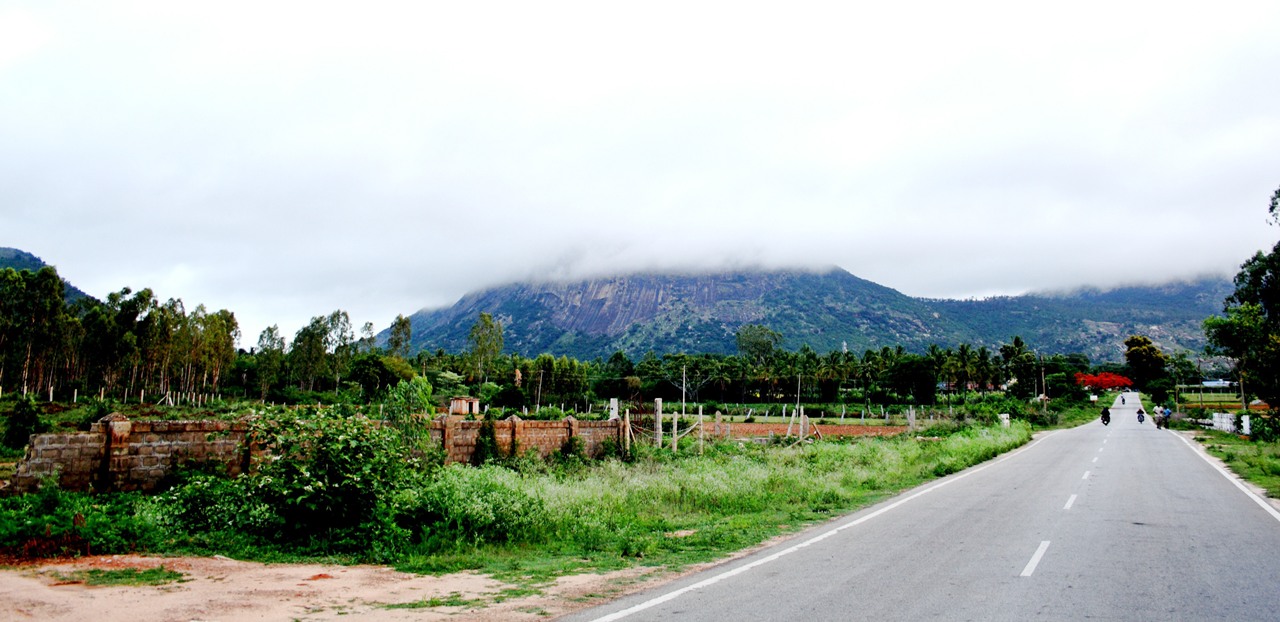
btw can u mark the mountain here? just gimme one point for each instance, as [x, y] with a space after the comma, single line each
[22, 260]
[826, 310]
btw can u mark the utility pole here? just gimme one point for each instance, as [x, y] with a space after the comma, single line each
[1044, 402]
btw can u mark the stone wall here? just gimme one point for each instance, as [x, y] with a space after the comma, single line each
[120, 455]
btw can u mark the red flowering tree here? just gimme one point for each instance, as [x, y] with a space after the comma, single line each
[1103, 381]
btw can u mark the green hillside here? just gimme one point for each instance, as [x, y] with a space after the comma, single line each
[22, 260]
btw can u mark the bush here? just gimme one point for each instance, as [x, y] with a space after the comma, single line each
[1264, 428]
[328, 471]
[53, 522]
[466, 506]
[24, 421]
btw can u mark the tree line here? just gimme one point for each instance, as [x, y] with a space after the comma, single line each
[131, 344]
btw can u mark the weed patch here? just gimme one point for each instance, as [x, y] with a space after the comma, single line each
[123, 576]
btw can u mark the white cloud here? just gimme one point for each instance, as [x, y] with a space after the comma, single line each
[295, 158]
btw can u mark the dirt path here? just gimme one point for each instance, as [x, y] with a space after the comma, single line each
[224, 590]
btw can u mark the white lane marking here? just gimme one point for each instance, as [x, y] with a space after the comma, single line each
[618, 615]
[1095, 459]
[1071, 501]
[1263, 503]
[1035, 559]
[1086, 475]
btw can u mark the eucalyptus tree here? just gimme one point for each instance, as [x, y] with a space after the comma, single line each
[221, 333]
[486, 342]
[401, 337]
[269, 359]
[341, 345]
[307, 355]
[34, 320]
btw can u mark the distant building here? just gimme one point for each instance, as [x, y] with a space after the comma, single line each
[464, 405]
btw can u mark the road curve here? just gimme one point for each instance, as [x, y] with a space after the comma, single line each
[1097, 522]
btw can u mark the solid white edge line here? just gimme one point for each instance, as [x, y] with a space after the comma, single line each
[658, 600]
[1035, 559]
[1070, 502]
[1230, 476]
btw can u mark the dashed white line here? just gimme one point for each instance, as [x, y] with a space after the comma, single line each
[1095, 459]
[1086, 475]
[1071, 501]
[618, 615]
[1035, 559]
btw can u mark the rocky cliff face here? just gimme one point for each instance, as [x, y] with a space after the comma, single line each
[826, 310]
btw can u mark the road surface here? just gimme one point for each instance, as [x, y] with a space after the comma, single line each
[1119, 522]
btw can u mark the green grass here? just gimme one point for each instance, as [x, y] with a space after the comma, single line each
[532, 521]
[672, 511]
[1257, 462]
[125, 576]
[452, 600]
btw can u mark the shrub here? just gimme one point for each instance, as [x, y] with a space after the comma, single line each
[466, 506]
[53, 522]
[1264, 428]
[24, 421]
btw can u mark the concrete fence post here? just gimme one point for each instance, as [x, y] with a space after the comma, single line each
[657, 422]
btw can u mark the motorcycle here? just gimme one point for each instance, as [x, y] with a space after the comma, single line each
[1140, 418]
[1106, 418]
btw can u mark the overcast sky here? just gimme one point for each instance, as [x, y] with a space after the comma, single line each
[286, 159]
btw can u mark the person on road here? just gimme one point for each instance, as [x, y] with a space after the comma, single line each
[1106, 415]
[1140, 414]
[1122, 400]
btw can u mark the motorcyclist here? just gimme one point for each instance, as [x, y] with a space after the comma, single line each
[1140, 414]
[1106, 415]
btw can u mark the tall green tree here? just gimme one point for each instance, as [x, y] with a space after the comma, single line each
[486, 344]
[308, 354]
[270, 359]
[398, 342]
[757, 343]
[1250, 331]
[1145, 359]
[341, 342]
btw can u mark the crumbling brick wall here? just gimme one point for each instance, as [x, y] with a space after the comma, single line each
[117, 454]
[120, 455]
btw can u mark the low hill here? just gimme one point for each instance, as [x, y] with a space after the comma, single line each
[826, 310]
[22, 260]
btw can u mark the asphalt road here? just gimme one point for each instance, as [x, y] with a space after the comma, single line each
[1119, 522]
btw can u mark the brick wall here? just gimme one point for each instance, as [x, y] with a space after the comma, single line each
[117, 454]
[458, 437]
